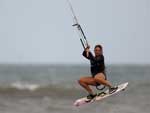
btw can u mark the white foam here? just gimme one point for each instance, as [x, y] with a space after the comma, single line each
[25, 86]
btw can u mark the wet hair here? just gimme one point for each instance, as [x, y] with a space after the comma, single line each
[99, 46]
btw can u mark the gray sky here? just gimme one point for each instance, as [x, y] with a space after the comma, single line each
[40, 31]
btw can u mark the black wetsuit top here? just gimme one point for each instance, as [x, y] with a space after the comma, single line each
[97, 63]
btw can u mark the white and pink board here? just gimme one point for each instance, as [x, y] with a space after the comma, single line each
[84, 100]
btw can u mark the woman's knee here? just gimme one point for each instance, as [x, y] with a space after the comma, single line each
[100, 76]
[81, 81]
[98, 79]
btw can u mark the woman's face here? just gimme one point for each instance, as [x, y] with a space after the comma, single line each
[97, 51]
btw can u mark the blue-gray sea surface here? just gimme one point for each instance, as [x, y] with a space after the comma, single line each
[54, 88]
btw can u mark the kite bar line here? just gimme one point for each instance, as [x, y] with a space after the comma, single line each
[76, 24]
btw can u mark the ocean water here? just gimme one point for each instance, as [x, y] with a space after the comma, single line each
[54, 88]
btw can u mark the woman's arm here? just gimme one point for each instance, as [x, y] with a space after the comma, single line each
[87, 54]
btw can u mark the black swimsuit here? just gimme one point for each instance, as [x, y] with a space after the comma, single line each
[97, 63]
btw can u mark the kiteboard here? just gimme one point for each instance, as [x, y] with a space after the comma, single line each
[100, 96]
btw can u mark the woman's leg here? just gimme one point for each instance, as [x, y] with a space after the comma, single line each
[85, 82]
[100, 78]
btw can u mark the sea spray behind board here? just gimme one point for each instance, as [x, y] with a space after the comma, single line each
[54, 88]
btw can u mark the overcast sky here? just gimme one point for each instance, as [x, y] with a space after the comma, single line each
[40, 31]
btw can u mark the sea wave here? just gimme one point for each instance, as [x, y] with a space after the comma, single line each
[34, 90]
[25, 86]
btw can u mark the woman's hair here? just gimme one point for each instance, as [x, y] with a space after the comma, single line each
[99, 46]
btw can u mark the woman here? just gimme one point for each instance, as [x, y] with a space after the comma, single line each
[97, 71]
